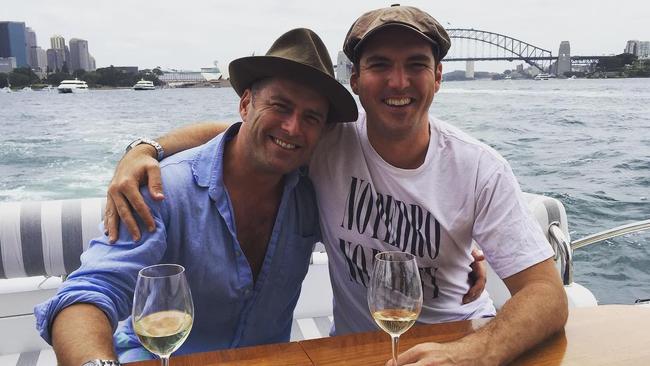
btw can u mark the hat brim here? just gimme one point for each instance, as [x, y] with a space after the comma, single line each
[246, 70]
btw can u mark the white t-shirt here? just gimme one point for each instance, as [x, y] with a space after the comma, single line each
[463, 191]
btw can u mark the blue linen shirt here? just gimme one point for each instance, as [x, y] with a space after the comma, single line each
[195, 227]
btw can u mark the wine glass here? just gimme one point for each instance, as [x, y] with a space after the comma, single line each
[163, 310]
[395, 294]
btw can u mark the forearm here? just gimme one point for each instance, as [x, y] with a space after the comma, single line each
[190, 136]
[534, 313]
[80, 333]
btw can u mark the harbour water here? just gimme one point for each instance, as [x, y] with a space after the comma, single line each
[585, 142]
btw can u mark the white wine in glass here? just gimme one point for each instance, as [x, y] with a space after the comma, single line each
[395, 294]
[163, 310]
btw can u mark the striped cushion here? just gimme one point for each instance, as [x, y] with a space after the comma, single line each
[46, 238]
[43, 357]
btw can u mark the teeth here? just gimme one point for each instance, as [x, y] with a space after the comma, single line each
[283, 144]
[398, 101]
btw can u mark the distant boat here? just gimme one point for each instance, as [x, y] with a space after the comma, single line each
[543, 76]
[26, 89]
[6, 89]
[144, 85]
[72, 86]
[212, 74]
[507, 77]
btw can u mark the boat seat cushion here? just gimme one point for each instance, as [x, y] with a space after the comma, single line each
[46, 238]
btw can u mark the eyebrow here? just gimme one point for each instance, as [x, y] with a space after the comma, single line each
[309, 111]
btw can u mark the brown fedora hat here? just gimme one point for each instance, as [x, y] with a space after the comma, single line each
[299, 55]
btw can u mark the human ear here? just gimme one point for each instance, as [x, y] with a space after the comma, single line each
[245, 104]
[354, 80]
[438, 76]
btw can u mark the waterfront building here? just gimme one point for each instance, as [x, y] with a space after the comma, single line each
[93, 65]
[343, 68]
[79, 56]
[564, 59]
[55, 59]
[41, 58]
[30, 45]
[644, 49]
[12, 42]
[632, 47]
[640, 49]
[7, 64]
[57, 42]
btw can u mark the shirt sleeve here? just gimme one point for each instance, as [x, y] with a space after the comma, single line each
[107, 275]
[504, 228]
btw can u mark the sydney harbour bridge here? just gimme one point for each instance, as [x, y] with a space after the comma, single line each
[477, 45]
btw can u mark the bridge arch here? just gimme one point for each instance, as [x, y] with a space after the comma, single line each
[520, 50]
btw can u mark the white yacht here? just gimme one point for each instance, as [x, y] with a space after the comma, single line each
[144, 85]
[72, 86]
[212, 74]
[543, 76]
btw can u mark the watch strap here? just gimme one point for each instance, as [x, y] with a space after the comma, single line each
[160, 153]
[98, 362]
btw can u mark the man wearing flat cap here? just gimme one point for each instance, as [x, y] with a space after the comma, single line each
[239, 215]
[399, 179]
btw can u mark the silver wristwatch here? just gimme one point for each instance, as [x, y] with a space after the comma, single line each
[143, 140]
[99, 362]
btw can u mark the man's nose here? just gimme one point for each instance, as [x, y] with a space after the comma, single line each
[398, 78]
[291, 125]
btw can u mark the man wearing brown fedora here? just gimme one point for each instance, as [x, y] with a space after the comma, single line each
[239, 215]
[399, 179]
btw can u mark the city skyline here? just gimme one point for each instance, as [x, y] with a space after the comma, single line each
[191, 37]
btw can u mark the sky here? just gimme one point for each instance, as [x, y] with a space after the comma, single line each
[191, 34]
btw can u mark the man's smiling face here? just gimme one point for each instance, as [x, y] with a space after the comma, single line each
[284, 120]
[396, 80]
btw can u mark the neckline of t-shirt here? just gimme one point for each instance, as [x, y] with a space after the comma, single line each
[362, 130]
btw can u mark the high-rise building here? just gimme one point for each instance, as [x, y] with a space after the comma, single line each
[564, 58]
[57, 42]
[93, 65]
[644, 49]
[632, 47]
[12, 42]
[41, 58]
[30, 43]
[55, 59]
[79, 56]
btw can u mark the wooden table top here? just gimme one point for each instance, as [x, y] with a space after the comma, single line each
[602, 335]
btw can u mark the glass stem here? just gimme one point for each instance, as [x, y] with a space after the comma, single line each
[395, 343]
[165, 360]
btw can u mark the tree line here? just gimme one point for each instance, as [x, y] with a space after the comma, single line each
[103, 77]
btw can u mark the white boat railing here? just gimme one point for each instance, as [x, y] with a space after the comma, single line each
[564, 249]
[611, 233]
